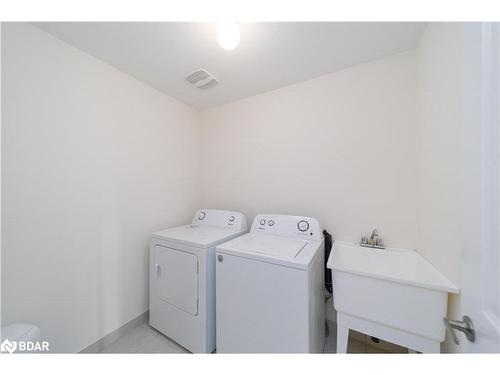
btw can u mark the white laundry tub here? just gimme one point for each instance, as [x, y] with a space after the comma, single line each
[392, 294]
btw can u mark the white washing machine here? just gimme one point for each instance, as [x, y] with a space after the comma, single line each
[270, 288]
[182, 277]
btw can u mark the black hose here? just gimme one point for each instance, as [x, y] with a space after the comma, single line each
[328, 249]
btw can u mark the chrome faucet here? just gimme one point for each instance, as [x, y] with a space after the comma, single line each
[374, 241]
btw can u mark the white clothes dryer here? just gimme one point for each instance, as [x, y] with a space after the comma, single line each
[182, 277]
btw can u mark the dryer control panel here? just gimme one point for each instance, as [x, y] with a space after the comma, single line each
[287, 226]
[220, 218]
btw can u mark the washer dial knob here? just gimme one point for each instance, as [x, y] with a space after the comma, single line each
[302, 225]
[201, 216]
[270, 223]
[231, 218]
[262, 222]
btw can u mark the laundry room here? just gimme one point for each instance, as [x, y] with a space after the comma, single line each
[250, 187]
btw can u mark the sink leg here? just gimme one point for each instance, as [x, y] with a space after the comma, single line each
[342, 337]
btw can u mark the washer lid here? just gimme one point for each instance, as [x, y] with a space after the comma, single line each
[203, 237]
[292, 252]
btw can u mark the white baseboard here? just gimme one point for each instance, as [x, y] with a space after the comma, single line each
[97, 346]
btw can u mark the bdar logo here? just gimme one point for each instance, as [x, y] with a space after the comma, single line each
[8, 346]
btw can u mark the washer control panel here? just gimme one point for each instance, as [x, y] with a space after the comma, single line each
[220, 218]
[287, 225]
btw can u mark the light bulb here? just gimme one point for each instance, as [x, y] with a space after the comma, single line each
[228, 35]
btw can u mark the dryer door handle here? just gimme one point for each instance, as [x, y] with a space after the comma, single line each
[158, 270]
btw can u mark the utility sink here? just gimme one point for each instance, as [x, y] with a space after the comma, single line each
[392, 294]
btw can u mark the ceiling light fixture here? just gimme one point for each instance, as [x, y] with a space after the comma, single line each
[228, 35]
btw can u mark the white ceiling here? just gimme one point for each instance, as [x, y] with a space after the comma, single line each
[270, 55]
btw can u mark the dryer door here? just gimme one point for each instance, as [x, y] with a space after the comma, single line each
[175, 278]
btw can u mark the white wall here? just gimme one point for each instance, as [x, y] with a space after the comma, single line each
[341, 148]
[0, 180]
[93, 161]
[441, 150]
[440, 62]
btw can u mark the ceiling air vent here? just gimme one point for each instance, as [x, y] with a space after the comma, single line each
[202, 79]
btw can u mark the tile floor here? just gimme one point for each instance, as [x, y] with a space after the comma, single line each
[144, 339]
